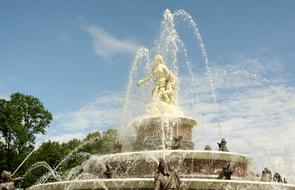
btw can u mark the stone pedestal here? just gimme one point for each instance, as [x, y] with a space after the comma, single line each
[155, 132]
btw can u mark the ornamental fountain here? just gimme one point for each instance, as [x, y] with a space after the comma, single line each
[156, 133]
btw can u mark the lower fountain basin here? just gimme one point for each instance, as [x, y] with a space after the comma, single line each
[148, 184]
[189, 163]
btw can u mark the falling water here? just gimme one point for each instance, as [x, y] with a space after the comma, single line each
[45, 177]
[170, 46]
[142, 55]
[72, 153]
[24, 161]
[184, 15]
[44, 165]
[194, 79]
[83, 154]
[166, 45]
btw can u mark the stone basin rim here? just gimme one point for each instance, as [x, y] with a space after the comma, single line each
[159, 117]
[148, 183]
[205, 154]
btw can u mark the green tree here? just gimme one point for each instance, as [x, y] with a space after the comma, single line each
[71, 145]
[22, 117]
[100, 143]
[108, 142]
[53, 152]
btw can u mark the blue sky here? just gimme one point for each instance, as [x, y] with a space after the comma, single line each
[76, 55]
[44, 50]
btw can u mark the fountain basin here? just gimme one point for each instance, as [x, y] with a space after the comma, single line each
[155, 132]
[143, 164]
[148, 184]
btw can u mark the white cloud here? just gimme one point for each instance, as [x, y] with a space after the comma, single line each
[107, 45]
[100, 114]
[256, 115]
[66, 137]
[4, 97]
[103, 112]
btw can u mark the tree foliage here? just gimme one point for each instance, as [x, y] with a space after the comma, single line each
[53, 153]
[22, 117]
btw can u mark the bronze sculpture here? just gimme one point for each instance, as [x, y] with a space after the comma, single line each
[207, 147]
[277, 177]
[166, 178]
[108, 173]
[222, 145]
[7, 182]
[176, 143]
[225, 173]
[266, 175]
[117, 148]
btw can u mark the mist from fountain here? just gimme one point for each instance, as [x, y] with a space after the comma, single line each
[170, 46]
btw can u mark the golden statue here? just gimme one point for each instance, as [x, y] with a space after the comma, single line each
[165, 81]
[164, 88]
